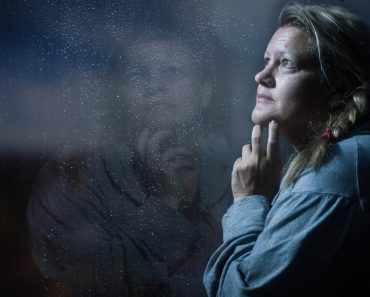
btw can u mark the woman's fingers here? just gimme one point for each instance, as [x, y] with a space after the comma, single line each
[257, 140]
[256, 146]
[246, 150]
[257, 171]
[272, 152]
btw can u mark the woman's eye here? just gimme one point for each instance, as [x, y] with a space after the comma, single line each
[267, 61]
[287, 63]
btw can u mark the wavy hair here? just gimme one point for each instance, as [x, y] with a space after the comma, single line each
[342, 44]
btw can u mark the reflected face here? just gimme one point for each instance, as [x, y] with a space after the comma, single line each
[290, 87]
[162, 84]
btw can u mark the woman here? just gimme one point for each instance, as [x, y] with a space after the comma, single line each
[310, 238]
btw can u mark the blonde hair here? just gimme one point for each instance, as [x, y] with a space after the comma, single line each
[343, 50]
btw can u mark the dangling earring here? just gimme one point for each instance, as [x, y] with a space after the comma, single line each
[327, 134]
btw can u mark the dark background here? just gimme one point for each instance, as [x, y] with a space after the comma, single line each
[52, 57]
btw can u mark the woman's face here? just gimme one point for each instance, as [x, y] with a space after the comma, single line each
[291, 89]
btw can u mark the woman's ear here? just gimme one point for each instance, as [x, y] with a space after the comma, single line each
[206, 94]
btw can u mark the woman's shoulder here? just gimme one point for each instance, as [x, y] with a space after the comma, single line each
[344, 171]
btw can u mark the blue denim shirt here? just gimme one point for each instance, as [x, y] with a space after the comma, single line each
[313, 240]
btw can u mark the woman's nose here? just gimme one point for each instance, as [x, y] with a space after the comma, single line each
[265, 77]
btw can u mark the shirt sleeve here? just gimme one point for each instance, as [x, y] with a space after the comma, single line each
[282, 251]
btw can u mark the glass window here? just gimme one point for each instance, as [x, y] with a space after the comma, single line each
[120, 122]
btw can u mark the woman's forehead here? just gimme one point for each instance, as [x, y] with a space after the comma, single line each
[292, 40]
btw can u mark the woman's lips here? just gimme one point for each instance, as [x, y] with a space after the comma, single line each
[264, 98]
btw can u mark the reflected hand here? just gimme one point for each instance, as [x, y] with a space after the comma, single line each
[257, 172]
[171, 166]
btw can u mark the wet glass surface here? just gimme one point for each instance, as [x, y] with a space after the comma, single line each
[120, 122]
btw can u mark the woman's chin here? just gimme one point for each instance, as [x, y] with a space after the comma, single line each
[260, 119]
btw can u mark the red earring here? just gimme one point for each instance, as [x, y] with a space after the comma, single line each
[327, 134]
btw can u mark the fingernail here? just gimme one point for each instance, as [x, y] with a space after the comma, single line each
[274, 122]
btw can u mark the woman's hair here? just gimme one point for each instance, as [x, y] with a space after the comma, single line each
[343, 50]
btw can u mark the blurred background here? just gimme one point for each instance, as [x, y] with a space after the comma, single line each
[55, 95]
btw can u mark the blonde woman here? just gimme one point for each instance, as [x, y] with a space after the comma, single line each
[310, 236]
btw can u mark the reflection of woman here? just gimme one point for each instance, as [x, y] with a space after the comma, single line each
[138, 217]
[312, 237]
[164, 91]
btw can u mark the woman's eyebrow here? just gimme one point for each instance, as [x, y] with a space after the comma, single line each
[277, 53]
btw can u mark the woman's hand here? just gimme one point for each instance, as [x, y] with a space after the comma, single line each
[258, 172]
